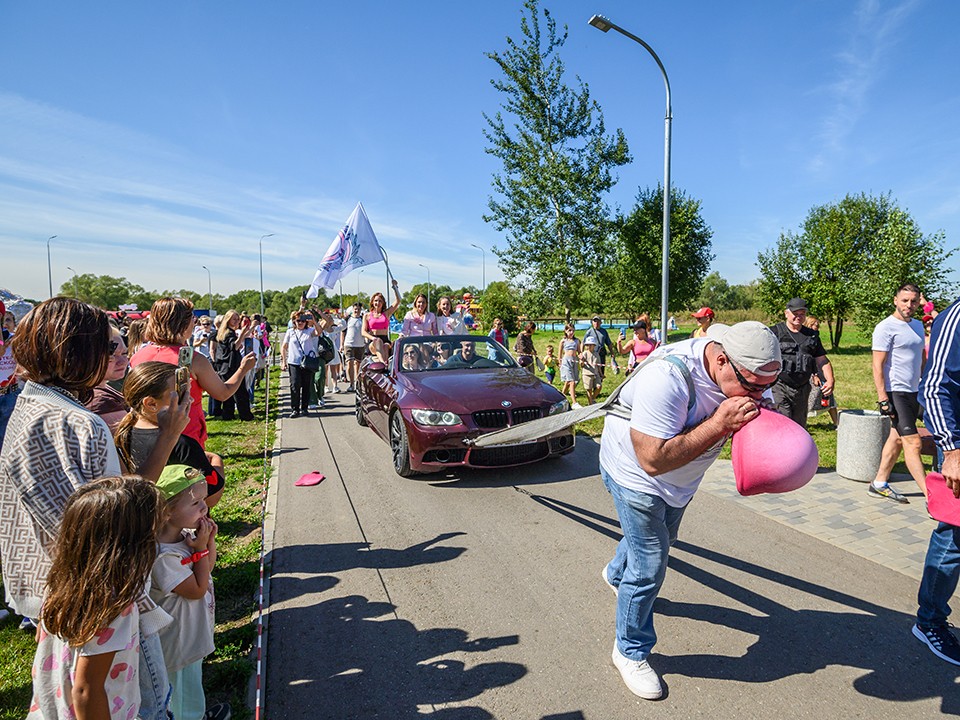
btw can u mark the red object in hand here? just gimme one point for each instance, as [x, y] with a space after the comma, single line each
[941, 503]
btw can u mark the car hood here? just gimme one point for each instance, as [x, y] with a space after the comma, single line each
[466, 391]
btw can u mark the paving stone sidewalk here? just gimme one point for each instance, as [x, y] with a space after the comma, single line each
[840, 512]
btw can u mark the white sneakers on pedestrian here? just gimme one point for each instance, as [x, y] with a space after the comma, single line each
[641, 679]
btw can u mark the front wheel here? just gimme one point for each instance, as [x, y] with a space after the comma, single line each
[361, 420]
[399, 446]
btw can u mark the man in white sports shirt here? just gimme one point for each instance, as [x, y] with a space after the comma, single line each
[681, 412]
[898, 342]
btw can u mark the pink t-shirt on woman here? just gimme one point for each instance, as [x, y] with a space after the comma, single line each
[197, 425]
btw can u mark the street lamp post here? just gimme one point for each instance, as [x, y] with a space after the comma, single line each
[483, 258]
[209, 291]
[49, 269]
[603, 24]
[261, 269]
[428, 284]
[76, 285]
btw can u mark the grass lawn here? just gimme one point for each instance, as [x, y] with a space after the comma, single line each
[226, 673]
[851, 364]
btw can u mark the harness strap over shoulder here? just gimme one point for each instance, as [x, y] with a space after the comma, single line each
[621, 411]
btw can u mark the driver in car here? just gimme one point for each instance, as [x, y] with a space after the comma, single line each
[465, 357]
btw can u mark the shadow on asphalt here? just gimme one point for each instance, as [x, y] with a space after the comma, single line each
[792, 641]
[582, 462]
[377, 661]
[801, 641]
[336, 557]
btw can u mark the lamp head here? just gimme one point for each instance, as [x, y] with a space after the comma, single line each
[601, 23]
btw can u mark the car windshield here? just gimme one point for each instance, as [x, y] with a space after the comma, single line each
[451, 352]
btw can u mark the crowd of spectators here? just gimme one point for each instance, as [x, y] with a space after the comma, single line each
[81, 430]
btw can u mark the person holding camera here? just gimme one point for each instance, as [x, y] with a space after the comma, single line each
[299, 356]
[803, 354]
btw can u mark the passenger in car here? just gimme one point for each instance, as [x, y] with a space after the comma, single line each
[411, 359]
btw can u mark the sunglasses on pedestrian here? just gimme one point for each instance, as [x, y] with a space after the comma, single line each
[750, 386]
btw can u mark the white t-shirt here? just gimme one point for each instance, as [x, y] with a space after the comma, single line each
[354, 335]
[300, 343]
[190, 636]
[7, 364]
[451, 324]
[657, 397]
[903, 342]
[55, 663]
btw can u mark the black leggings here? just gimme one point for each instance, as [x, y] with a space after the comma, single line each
[239, 401]
[300, 379]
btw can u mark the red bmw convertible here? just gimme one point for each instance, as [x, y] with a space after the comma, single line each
[438, 392]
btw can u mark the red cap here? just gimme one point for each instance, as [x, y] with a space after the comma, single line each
[927, 318]
[703, 312]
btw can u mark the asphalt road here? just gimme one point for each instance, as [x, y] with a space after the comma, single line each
[479, 596]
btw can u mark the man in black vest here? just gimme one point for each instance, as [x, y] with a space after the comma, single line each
[803, 355]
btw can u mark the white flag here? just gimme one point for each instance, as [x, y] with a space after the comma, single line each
[354, 247]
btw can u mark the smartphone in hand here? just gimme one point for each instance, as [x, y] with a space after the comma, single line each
[185, 356]
[183, 383]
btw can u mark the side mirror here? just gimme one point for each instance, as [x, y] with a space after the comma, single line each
[377, 367]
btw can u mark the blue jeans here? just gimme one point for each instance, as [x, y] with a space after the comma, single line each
[154, 682]
[638, 567]
[941, 570]
[7, 403]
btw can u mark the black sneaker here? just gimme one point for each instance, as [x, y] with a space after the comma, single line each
[886, 492]
[218, 712]
[941, 641]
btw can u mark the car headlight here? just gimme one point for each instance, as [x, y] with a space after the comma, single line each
[435, 417]
[558, 407]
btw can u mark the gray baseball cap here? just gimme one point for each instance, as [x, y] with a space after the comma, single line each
[750, 345]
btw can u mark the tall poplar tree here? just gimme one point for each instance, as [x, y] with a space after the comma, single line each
[557, 165]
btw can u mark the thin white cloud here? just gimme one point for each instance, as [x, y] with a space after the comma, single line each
[859, 66]
[123, 203]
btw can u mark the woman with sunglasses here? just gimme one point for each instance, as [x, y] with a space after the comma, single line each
[376, 324]
[639, 347]
[107, 402]
[299, 342]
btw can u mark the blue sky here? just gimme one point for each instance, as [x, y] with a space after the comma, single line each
[154, 138]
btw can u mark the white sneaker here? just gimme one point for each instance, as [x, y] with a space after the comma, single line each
[603, 572]
[576, 406]
[313, 406]
[638, 676]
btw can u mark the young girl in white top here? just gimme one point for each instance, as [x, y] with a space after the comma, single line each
[87, 659]
[181, 584]
[449, 322]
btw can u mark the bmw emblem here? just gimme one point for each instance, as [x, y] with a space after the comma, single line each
[506, 403]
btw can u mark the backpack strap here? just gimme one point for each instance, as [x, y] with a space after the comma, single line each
[621, 411]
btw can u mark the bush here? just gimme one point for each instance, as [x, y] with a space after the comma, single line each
[499, 302]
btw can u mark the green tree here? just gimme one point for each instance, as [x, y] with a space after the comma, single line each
[557, 162]
[499, 301]
[107, 292]
[849, 260]
[632, 283]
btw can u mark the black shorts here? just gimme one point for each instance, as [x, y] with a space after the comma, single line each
[906, 409]
[356, 353]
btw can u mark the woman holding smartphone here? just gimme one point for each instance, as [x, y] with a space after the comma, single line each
[170, 328]
[231, 339]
